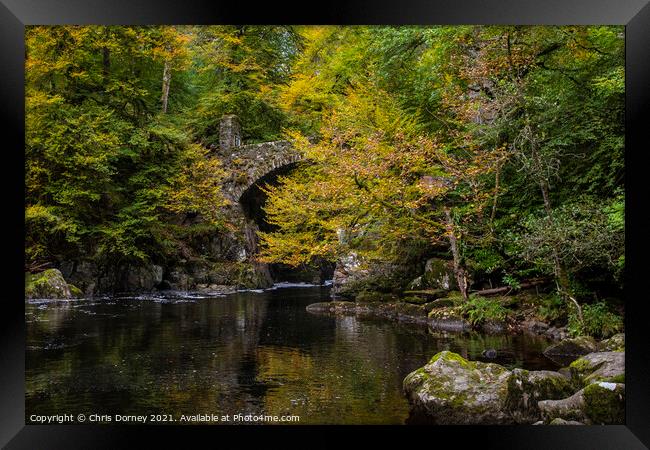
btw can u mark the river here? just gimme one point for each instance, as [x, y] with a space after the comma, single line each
[256, 353]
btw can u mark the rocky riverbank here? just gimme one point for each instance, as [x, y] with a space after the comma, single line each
[442, 314]
[452, 390]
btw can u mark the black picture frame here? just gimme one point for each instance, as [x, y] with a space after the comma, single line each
[16, 14]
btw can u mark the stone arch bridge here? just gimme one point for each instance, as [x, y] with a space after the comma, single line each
[248, 165]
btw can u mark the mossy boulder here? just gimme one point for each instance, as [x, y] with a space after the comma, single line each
[452, 390]
[600, 403]
[615, 343]
[47, 284]
[527, 388]
[599, 366]
[605, 403]
[320, 307]
[568, 349]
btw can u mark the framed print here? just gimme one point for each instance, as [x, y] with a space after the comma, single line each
[414, 218]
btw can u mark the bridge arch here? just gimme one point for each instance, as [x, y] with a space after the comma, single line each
[249, 165]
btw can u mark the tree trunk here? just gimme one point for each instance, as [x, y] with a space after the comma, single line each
[459, 272]
[167, 77]
[106, 62]
[561, 276]
[496, 196]
[106, 58]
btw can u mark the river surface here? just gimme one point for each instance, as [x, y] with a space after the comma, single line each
[256, 353]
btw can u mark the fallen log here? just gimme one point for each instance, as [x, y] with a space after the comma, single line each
[508, 289]
[38, 267]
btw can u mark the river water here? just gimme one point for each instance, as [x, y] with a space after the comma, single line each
[256, 353]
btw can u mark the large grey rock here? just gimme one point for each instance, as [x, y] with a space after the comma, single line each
[452, 390]
[47, 284]
[599, 366]
[569, 349]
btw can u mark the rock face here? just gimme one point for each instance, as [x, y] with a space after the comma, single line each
[438, 274]
[49, 284]
[143, 278]
[347, 273]
[352, 276]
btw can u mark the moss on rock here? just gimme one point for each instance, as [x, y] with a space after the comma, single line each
[598, 366]
[615, 343]
[415, 300]
[605, 403]
[47, 284]
[75, 291]
[452, 390]
[373, 296]
[527, 388]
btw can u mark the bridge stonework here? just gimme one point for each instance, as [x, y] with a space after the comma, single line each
[247, 164]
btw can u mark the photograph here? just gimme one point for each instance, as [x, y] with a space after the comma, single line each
[420, 222]
[256, 224]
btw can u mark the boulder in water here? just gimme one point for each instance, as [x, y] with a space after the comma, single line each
[452, 390]
[570, 348]
[489, 353]
[47, 284]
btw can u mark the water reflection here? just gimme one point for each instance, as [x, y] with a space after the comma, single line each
[245, 353]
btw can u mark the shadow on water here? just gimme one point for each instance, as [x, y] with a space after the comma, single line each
[248, 353]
